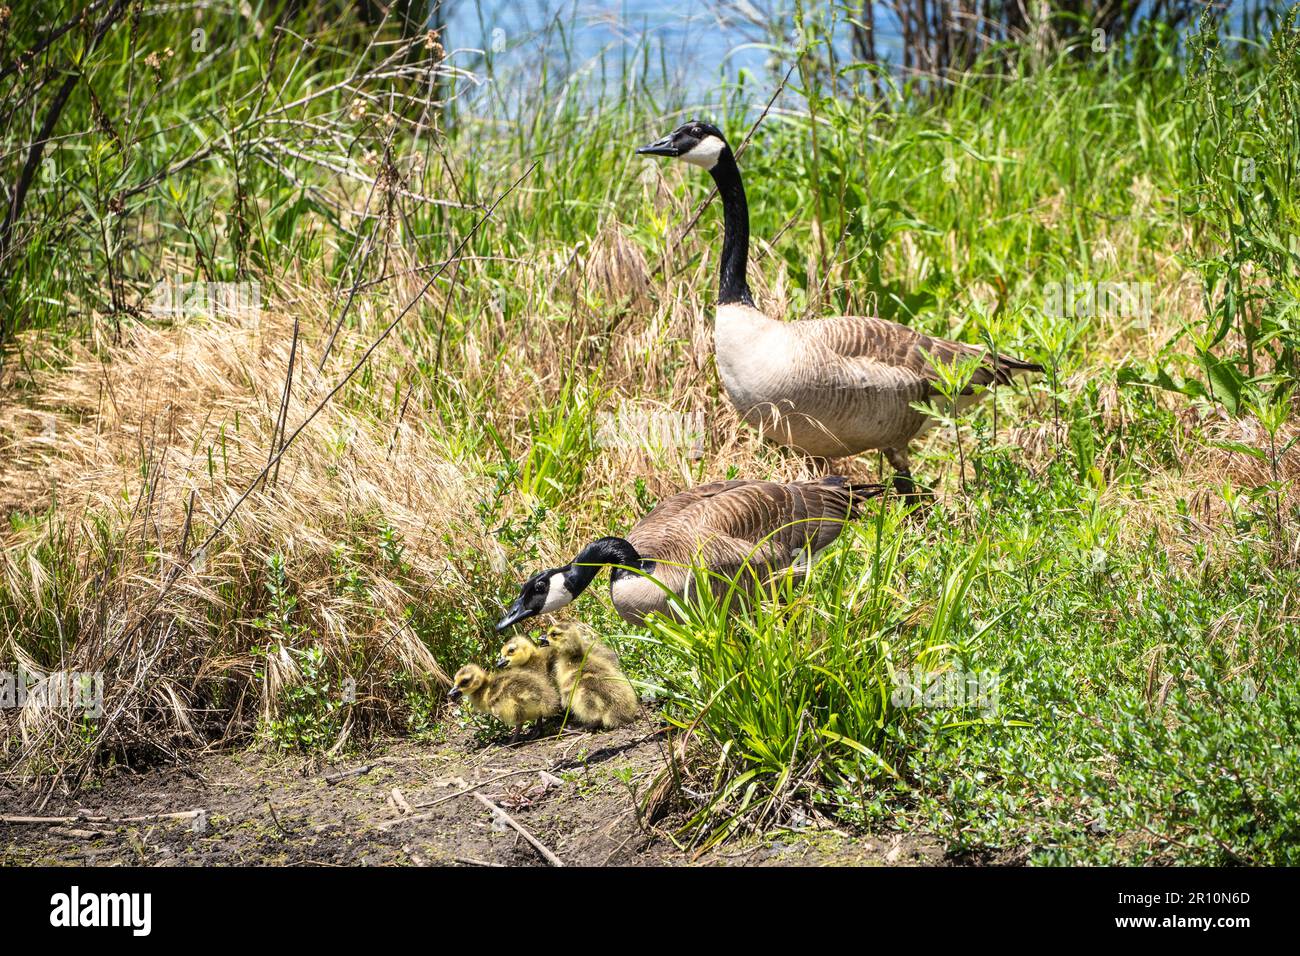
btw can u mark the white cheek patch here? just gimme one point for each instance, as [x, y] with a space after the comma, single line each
[706, 152]
[557, 595]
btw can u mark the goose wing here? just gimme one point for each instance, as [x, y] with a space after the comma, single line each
[867, 341]
[686, 500]
[766, 523]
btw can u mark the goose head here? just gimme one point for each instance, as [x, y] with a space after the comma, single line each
[544, 592]
[550, 590]
[700, 144]
[468, 680]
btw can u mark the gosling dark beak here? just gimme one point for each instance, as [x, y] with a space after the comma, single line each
[661, 147]
[453, 694]
[543, 641]
[502, 662]
[516, 614]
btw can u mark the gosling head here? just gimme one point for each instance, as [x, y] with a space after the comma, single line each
[516, 652]
[700, 144]
[468, 680]
[544, 592]
[563, 638]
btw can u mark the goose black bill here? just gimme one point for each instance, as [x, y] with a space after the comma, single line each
[661, 147]
[514, 615]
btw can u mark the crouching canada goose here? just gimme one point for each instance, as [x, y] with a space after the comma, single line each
[724, 526]
[831, 387]
[514, 697]
[592, 685]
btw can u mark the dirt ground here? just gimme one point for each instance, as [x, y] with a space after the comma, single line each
[405, 803]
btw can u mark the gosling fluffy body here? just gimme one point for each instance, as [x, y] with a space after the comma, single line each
[514, 696]
[591, 684]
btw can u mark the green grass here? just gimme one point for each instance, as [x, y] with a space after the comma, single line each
[1113, 544]
[1138, 713]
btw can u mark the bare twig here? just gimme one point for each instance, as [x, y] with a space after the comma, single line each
[506, 818]
[275, 818]
[452, 796]
[284, 447]
[28, 56]
[146, 614]
[95, 818]
[283, 418]
[333, 778]
[37, 149]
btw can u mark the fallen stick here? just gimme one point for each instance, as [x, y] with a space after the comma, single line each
[545, 771]
[537, 844]
[39, 819]
[399, 801]
[78, 833]
[333, 778]
[421, 817]
[474, 786]
[93, 818]
[275, 818]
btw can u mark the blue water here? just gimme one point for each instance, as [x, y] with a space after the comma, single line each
[681, 51]
[683, 45]
[693, 43]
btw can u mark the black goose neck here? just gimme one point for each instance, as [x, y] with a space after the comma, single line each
[732, 286]
[617, 552]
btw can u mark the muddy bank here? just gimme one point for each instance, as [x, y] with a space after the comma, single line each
[404, 803]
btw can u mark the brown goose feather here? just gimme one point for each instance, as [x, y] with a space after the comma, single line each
[839, 386]
[725, 526]
[898, 346]
[825, 387]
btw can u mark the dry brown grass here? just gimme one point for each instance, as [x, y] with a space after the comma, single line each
[137, 452]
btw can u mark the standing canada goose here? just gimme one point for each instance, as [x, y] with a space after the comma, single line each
[725, 526]
[515, 696]
[828, 388]
[592, 685]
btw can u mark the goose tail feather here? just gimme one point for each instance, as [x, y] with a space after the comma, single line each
[858, 493]
[1006, 366]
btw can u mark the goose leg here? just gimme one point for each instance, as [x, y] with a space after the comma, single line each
[819, 465]
[902, 465]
